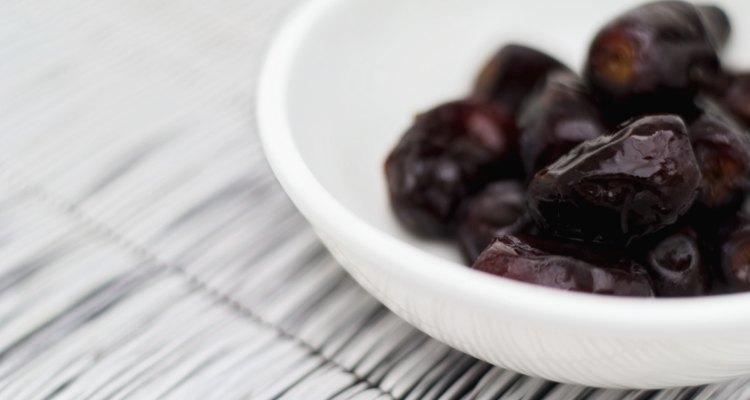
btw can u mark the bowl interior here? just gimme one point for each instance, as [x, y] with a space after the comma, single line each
[367, 67]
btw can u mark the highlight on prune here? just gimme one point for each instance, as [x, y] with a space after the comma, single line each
[559, 116]
[652, 58]
[511, 75]
[449, 153]
[677, 266]
[616, 188]
[631, 180]
[486, 214]
[536, 261]
[722, 150]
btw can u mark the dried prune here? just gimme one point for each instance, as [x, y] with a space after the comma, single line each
[732, 91]
[616, 188]
[449, 153]
[511, 75]
[735, 260]
[536, 261]
[652, 58]
[559, 116]
[712, 226]
[722, 150]
[677, 266]
[717, 24]
[485, 215]
[613, 172]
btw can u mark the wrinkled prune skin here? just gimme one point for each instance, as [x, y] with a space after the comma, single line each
[735, 260]
[540, 262]
[487, 214]
[652, 58]
[448, 154]
[677, 266]
[616, 188]
[722, 150]
[559, 116]
[512, 74]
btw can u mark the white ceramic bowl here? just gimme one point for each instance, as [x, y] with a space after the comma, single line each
[342, 81]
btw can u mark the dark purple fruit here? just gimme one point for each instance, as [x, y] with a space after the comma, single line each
[735, 261]
[535, 261]
[717, 24]
[722, 150]
[511, 75]
[616, 188]
[448, 154]
[485, 215]
[652, 58]
[713, 226]
[559, 116]
[677, 266]
[732, 90]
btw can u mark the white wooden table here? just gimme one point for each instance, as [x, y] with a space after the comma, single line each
[146, 251]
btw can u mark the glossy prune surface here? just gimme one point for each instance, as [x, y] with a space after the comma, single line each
[544, 263]
[486, 214]
[448, 154]
[722, 150]
[632, 180]
[677, 265]
[652, 58]
[616, 188]
[559, 116]
[512, 73]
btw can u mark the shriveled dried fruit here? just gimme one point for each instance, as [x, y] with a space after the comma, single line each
[732, 91]
[559, 116]
[652, 58]
[616, 188]
[485, 215]
[677, 266]
[712, 226]
[449, 153]
[735, 262]
[612, 170]
[511, 75]
[549, 264]
[722, 150]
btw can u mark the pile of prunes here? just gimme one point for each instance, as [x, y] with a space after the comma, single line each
[630, 179]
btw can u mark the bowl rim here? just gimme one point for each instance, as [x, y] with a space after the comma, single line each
[640, 315]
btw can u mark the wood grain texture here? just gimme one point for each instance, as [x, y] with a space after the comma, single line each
[146, 251]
